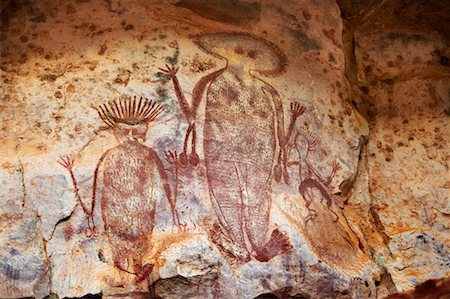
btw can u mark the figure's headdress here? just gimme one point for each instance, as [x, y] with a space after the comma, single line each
[129, 110]
[271, 59]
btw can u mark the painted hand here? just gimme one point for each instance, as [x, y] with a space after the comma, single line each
[171, 157]
[335, 167]
[313, 143]
[170, 70]
[297, 109]
[92, 231]
[67, 162]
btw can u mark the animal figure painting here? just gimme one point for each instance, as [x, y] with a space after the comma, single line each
[328, 233]
[133, 175]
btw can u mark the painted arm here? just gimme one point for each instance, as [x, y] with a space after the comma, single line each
[197, 92]
[185, 108]
[199, 89]
[67, 162]
[297, 110]
[279, 170]
[279, 112]
[94, 186]
[334, 168]
[163, 175]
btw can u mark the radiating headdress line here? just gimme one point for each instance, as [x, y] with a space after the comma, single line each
[129, 110]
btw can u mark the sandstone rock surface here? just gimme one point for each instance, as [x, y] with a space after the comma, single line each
[214, 149]
[403, 90]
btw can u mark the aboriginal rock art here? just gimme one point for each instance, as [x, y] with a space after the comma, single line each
[243, 135]
[327, 230]
[133, 175]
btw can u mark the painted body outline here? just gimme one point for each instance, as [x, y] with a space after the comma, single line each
[242, 232]
[128, 234]
[310, 179]
[330, 235]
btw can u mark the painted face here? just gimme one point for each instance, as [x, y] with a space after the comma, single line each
[250, 53]
[125, 132]
[244, 49]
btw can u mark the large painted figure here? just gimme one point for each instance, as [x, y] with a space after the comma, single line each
[243, 136]
[133, 176]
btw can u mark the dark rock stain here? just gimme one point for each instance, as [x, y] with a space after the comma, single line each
[173, 60]
[162, 93]
[405, 39]
[40, 18]
[226, 11]
[126, 26]
[25, 274]
[304, 43]
[102, 49]
[50, 77]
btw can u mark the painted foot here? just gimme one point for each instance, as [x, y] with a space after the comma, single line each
[277, 244]
[122, 266]
[335, 216]
[144, 272]
[227, 246]
[311, 215]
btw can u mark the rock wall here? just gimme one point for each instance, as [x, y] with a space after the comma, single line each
[214, 149]
[401, 79]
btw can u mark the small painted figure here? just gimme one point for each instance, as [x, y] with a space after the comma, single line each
[313, 186]
[133, 176]
[329, 235]
[243, 132]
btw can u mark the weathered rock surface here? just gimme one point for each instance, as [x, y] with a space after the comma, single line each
[247, 173]
[430, 289]
[403, 89]
[23, 260]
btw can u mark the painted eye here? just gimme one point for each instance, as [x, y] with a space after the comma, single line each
[252, 54]
[239, 50]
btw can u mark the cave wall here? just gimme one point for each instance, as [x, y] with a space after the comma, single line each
[107, 98]
[400, 77]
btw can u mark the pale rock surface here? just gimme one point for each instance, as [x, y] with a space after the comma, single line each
[60, 61]
[23, 259]
[403, 77]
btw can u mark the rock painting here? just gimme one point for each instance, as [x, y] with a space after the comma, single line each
[245, 147]
[328, 233]
[133, 175]
[243, 135]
